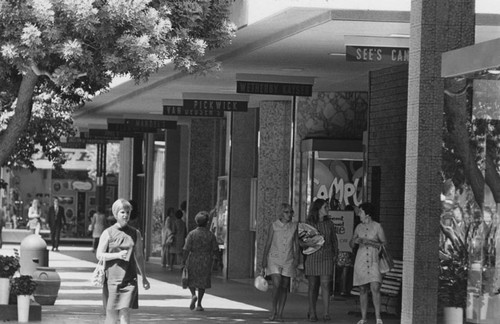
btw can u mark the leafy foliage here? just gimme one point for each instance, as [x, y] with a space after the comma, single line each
[453, 270]
[22, 285]
[71, 50]
[8, 266]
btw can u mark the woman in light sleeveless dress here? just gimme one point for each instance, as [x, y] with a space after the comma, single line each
[369, 236]
[281, 257]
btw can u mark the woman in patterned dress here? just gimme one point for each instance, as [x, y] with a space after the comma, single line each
[281, 257]
[199, 251]
[120, 246]
[369, 236]
[318, 266]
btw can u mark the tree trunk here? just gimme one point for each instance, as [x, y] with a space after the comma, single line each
[455, 107]
[21, 117]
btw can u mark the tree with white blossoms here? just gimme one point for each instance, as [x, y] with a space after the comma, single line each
[56, 54]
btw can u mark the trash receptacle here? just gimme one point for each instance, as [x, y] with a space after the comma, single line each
[33, 254]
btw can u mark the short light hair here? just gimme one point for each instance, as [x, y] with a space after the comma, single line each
[120, 203]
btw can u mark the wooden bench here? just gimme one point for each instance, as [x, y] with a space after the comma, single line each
[390, 290]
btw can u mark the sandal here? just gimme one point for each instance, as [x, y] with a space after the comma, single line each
[362, 321]
[379, 321]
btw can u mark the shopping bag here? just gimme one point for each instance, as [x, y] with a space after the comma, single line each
[184, 277]
[385, 263]
[98, 275]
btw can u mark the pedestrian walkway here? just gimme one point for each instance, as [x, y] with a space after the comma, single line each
[227, 301]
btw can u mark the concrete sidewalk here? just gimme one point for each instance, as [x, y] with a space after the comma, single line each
[227, 301]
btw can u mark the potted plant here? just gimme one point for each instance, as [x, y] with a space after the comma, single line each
[453, 266]
[23, 287]
[8, 266]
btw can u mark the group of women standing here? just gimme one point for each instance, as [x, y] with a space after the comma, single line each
[281, 258]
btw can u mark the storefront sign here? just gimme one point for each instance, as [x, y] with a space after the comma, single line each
[344, 227]
[150, 123]
[76, 159]
[214, 102]
[215, 105]
[140, 125]
[271, 88]
[170, 110]
[377, 54]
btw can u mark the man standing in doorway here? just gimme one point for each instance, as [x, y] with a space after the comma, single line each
[56, 221]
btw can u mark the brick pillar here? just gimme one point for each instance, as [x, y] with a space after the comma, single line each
[240, 240]
[274, 166]
[207, 136]
[436, 26]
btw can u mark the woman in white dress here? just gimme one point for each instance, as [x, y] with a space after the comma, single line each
[369, 236]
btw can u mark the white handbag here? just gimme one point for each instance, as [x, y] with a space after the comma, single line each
[98, 275]
[261, 283]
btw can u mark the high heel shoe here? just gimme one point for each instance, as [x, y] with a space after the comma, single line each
[312, 318]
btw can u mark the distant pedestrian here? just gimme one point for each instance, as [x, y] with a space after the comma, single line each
[369, 237]
[167, 239]
[97, 226]
[319, 266]
[199, 252]
[2, 224]
[35, 216]
[56, 220]
[281, 257]
[121, 247]
[179, 232]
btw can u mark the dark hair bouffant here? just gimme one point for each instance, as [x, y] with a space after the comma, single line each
[313, 215]
[369, 210]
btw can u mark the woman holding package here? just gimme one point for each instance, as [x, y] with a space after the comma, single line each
[121, 248]
[281, 257]
[319, 266]
[369, 237]
[199, 252]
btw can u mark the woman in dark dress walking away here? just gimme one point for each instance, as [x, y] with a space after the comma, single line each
[121, 247]
[319, 265]
[199, 252]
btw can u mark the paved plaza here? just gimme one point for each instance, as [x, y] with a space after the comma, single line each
[227, 301]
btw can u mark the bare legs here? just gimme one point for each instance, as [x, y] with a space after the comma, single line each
[313, 292]
[281, 285]
[113, 315]
[363, 298]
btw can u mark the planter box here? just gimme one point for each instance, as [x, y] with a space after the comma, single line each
[9, 312]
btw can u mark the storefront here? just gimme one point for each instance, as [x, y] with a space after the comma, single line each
[471, 186]
[74, 187]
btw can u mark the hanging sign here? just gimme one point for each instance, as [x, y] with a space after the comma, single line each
[215, 102]
[274, 84]
[377, 54]
[179, 110]
[140, 125]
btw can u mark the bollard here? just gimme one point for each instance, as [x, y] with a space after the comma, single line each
[34, 254]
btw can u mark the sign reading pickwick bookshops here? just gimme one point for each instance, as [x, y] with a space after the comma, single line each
[274, 84]
[377, 54]
[214, 102]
